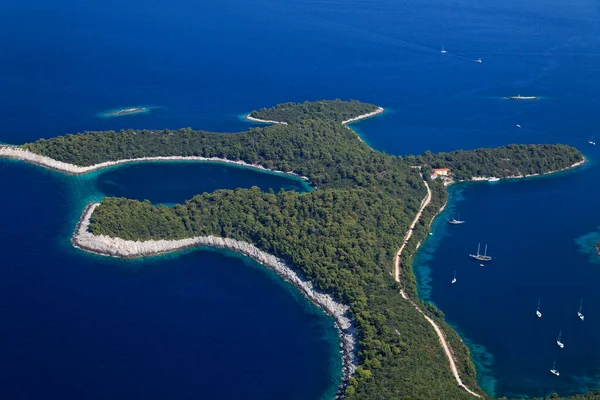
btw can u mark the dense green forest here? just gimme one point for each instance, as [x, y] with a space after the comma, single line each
[333, 110]
[342, 236]
[512, 160]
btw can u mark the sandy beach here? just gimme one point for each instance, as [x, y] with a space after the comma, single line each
[33, 158]
[116, 247]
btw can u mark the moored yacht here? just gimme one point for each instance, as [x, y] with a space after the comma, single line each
[455, 221]
[493, 179]
[481, 257]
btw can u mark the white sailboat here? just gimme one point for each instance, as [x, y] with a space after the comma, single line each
[559, 340]
[443, 51]
[591, 141]
[579, 314]
[554, 370]
[454, 279]
[455, 221]
[538, 312]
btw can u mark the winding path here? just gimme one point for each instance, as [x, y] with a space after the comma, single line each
[408, 235]
[437, 329]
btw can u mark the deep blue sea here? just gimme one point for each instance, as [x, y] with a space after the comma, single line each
[208, 324]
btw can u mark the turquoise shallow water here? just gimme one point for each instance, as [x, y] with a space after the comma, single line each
[202, 64]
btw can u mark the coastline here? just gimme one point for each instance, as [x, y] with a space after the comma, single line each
[116, 247]
[363, 116]
[485, 178]
[448, 351]
[17, 153]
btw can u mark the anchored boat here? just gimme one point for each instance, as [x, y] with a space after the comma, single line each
[481, 257]
[455, 221]
[559, 340]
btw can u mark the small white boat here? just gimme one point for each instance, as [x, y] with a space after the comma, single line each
[519, 126]
[559, 340]
[591, 141]
[443, 51]
[493, 179]
[481, 265]
[538, 312]
[579, 314]
[554, 370]
[454, 279]
[478, 60]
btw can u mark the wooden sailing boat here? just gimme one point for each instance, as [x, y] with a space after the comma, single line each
[481, 257]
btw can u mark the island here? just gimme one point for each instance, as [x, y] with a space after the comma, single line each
[122, 112]
[519, 97]
[130, 111]
[348, 244]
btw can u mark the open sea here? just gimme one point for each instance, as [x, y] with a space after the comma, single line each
[209, 324]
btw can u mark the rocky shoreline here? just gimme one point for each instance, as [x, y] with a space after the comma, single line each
[363, 116]
[367, 115]
[18, 153]
[116, 247]
[264, 121]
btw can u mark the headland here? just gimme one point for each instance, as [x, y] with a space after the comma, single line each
[22, 154]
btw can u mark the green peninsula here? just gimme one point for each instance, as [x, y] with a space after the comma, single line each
[342, 236]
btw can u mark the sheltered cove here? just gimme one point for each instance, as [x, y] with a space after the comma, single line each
[116, 247]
